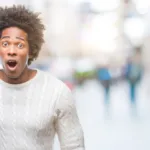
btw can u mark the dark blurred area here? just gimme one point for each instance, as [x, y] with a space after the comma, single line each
[100, 50]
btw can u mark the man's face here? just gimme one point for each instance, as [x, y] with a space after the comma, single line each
[14, 51]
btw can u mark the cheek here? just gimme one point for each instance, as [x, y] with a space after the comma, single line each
[2, 55]
[27, 58]
[23, 55]
[24, 59]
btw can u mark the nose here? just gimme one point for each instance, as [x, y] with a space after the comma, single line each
[12, 51]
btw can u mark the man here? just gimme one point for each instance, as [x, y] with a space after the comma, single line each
[104, 77]
[134, 75]
[33, 104]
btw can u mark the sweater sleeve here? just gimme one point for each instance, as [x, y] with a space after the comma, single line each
[67, 124]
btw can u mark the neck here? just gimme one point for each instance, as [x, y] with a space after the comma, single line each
[26, 75]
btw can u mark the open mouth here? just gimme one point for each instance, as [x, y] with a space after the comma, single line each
[12, 63]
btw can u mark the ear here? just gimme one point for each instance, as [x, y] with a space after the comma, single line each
[30, 56]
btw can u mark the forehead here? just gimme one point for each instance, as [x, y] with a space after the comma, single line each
[13, 32]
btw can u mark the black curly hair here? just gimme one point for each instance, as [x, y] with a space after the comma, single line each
[23, 18]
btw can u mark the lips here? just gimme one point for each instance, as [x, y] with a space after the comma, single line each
[11, 64]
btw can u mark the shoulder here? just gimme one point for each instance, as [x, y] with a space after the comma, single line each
[53, 81]
[61, 92]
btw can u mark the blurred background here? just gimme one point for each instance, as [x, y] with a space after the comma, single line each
[100, 49]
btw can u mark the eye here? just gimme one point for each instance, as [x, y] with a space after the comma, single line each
[4, 44]
[20, 45]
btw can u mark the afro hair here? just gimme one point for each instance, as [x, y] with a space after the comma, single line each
[21, 17]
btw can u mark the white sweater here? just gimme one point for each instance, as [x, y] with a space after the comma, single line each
[32, 112]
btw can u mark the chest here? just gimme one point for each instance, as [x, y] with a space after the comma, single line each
[25, 110]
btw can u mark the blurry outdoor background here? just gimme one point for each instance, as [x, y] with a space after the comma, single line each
[101, 50]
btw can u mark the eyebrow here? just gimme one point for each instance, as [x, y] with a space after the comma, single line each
[3, 37]
[20, 38]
